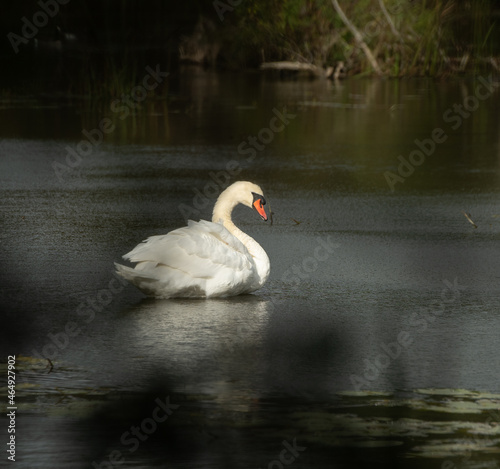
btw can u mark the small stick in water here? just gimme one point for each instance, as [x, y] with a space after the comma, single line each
[467, 215]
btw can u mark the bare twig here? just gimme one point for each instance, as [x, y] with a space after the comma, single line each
[359, 38]
[389, 19]
[467, 215]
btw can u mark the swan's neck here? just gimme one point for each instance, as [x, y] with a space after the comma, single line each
[222, 214]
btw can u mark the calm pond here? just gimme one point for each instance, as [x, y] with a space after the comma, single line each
[373, 344]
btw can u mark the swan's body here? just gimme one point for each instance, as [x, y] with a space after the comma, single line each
[204, 259]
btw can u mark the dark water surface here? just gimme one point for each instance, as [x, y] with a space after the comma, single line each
[374, 342]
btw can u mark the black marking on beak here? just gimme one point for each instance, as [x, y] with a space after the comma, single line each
[257, 197]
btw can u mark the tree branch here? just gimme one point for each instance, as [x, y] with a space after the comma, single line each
[389, 19]
[359, 38]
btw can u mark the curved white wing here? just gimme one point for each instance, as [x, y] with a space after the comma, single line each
[202, 259]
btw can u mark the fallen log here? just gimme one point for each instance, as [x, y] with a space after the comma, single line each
[305, 67]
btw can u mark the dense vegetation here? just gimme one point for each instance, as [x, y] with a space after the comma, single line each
[88, 46]
[426, 37]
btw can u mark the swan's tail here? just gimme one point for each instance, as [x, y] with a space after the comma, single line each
[141, 279]
[161, 283]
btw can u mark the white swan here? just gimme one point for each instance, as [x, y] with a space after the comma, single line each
[204, 259]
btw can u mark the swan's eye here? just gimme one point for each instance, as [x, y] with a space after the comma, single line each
[257, 198]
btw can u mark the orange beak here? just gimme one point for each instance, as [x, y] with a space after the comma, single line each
[259, 206]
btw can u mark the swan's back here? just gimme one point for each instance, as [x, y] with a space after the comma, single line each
[202, 259]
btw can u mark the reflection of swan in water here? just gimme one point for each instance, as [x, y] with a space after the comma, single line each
[202, 345]
[204, 259]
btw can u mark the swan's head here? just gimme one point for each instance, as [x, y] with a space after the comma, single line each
[245, 193]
